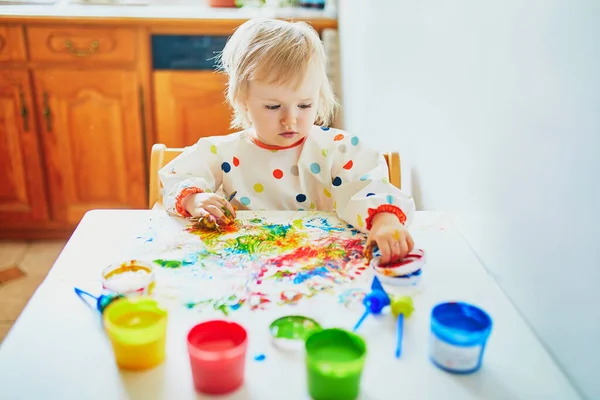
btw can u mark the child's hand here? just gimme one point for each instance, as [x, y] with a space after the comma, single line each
[199, 204]
[391, 236]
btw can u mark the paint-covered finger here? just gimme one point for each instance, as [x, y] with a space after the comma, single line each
[410, 242]
[386, 252]
[230, 208]
[216, 212]
[403, 245]
[198, 212]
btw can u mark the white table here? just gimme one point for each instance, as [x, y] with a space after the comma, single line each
[57, 349]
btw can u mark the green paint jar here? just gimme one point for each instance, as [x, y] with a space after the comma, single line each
[334, 360]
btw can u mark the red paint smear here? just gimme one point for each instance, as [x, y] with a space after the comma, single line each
[406, 260]
[320, 252]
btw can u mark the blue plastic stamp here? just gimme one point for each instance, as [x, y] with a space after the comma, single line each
[459, 333]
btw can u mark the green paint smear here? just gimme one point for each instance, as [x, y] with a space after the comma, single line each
[169, 263]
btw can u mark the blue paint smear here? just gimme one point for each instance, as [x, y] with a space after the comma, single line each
[260, 357]
[323, 224]
[190, 259]
[303, 276]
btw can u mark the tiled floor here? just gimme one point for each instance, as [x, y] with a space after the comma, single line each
[34, 259]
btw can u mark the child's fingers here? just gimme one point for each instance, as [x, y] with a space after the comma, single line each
[216, 212]
[386, 252]
[403, 249]
[230, 208]
[198, 212]
[410, 242]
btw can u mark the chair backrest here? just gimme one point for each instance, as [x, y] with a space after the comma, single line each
[162, 155]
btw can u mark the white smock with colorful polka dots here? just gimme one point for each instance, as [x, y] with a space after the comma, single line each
[330, 171]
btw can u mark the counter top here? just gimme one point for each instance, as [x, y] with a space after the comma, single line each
[151, 9]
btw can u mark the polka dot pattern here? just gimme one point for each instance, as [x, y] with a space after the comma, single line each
[324, 152]
[245, 201]
[294, 170]
[338, 137]
[354, 141]
[226, 167]
[213, 149]
[301, 198]
[390, 199]
[364, 177]
[337, 181]
[349, 165]
[278, 174]
[315, 168]
[312, 206]
[327, 193]
[325, 128]
[370, 194]
[343, 149]
[259, 188]
[236, 161]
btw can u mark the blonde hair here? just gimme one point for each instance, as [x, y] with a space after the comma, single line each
[274, 52]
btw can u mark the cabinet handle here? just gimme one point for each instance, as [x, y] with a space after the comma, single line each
[24, 111]
[47, 114]
[81, 53]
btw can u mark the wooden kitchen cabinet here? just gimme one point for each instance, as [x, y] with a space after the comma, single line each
[90, 124]
[22, 191]
[189, 105]
[83, 100]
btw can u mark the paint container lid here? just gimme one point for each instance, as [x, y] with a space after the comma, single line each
[460, 323]
[290, 332]
[413, 262]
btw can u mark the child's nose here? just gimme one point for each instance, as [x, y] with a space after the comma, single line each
[289, 119]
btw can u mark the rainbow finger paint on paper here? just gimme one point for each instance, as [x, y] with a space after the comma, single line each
[137, 329]
[261, 262]
[334, 360]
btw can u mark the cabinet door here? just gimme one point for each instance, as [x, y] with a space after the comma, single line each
[22, 190]
[188, 106]
[90, 123]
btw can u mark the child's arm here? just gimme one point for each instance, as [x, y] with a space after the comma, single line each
[196, 170]
[361, 188]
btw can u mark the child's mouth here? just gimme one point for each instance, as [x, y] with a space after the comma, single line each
[288, 135]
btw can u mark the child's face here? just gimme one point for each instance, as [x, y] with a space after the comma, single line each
[282, 115]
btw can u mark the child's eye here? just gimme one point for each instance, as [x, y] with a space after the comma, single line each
[305, 105]
[272, 107]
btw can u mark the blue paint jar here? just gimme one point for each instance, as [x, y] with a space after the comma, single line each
[459, 333]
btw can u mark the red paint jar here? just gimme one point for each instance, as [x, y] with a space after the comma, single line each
[217, 352]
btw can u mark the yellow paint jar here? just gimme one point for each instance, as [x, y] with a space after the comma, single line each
[137, 328]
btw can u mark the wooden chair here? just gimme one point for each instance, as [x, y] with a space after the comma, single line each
[162, 155]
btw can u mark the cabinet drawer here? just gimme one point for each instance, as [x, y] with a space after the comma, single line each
[12, 45]
[81, 44]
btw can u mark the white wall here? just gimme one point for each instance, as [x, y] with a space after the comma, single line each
[495, 107]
